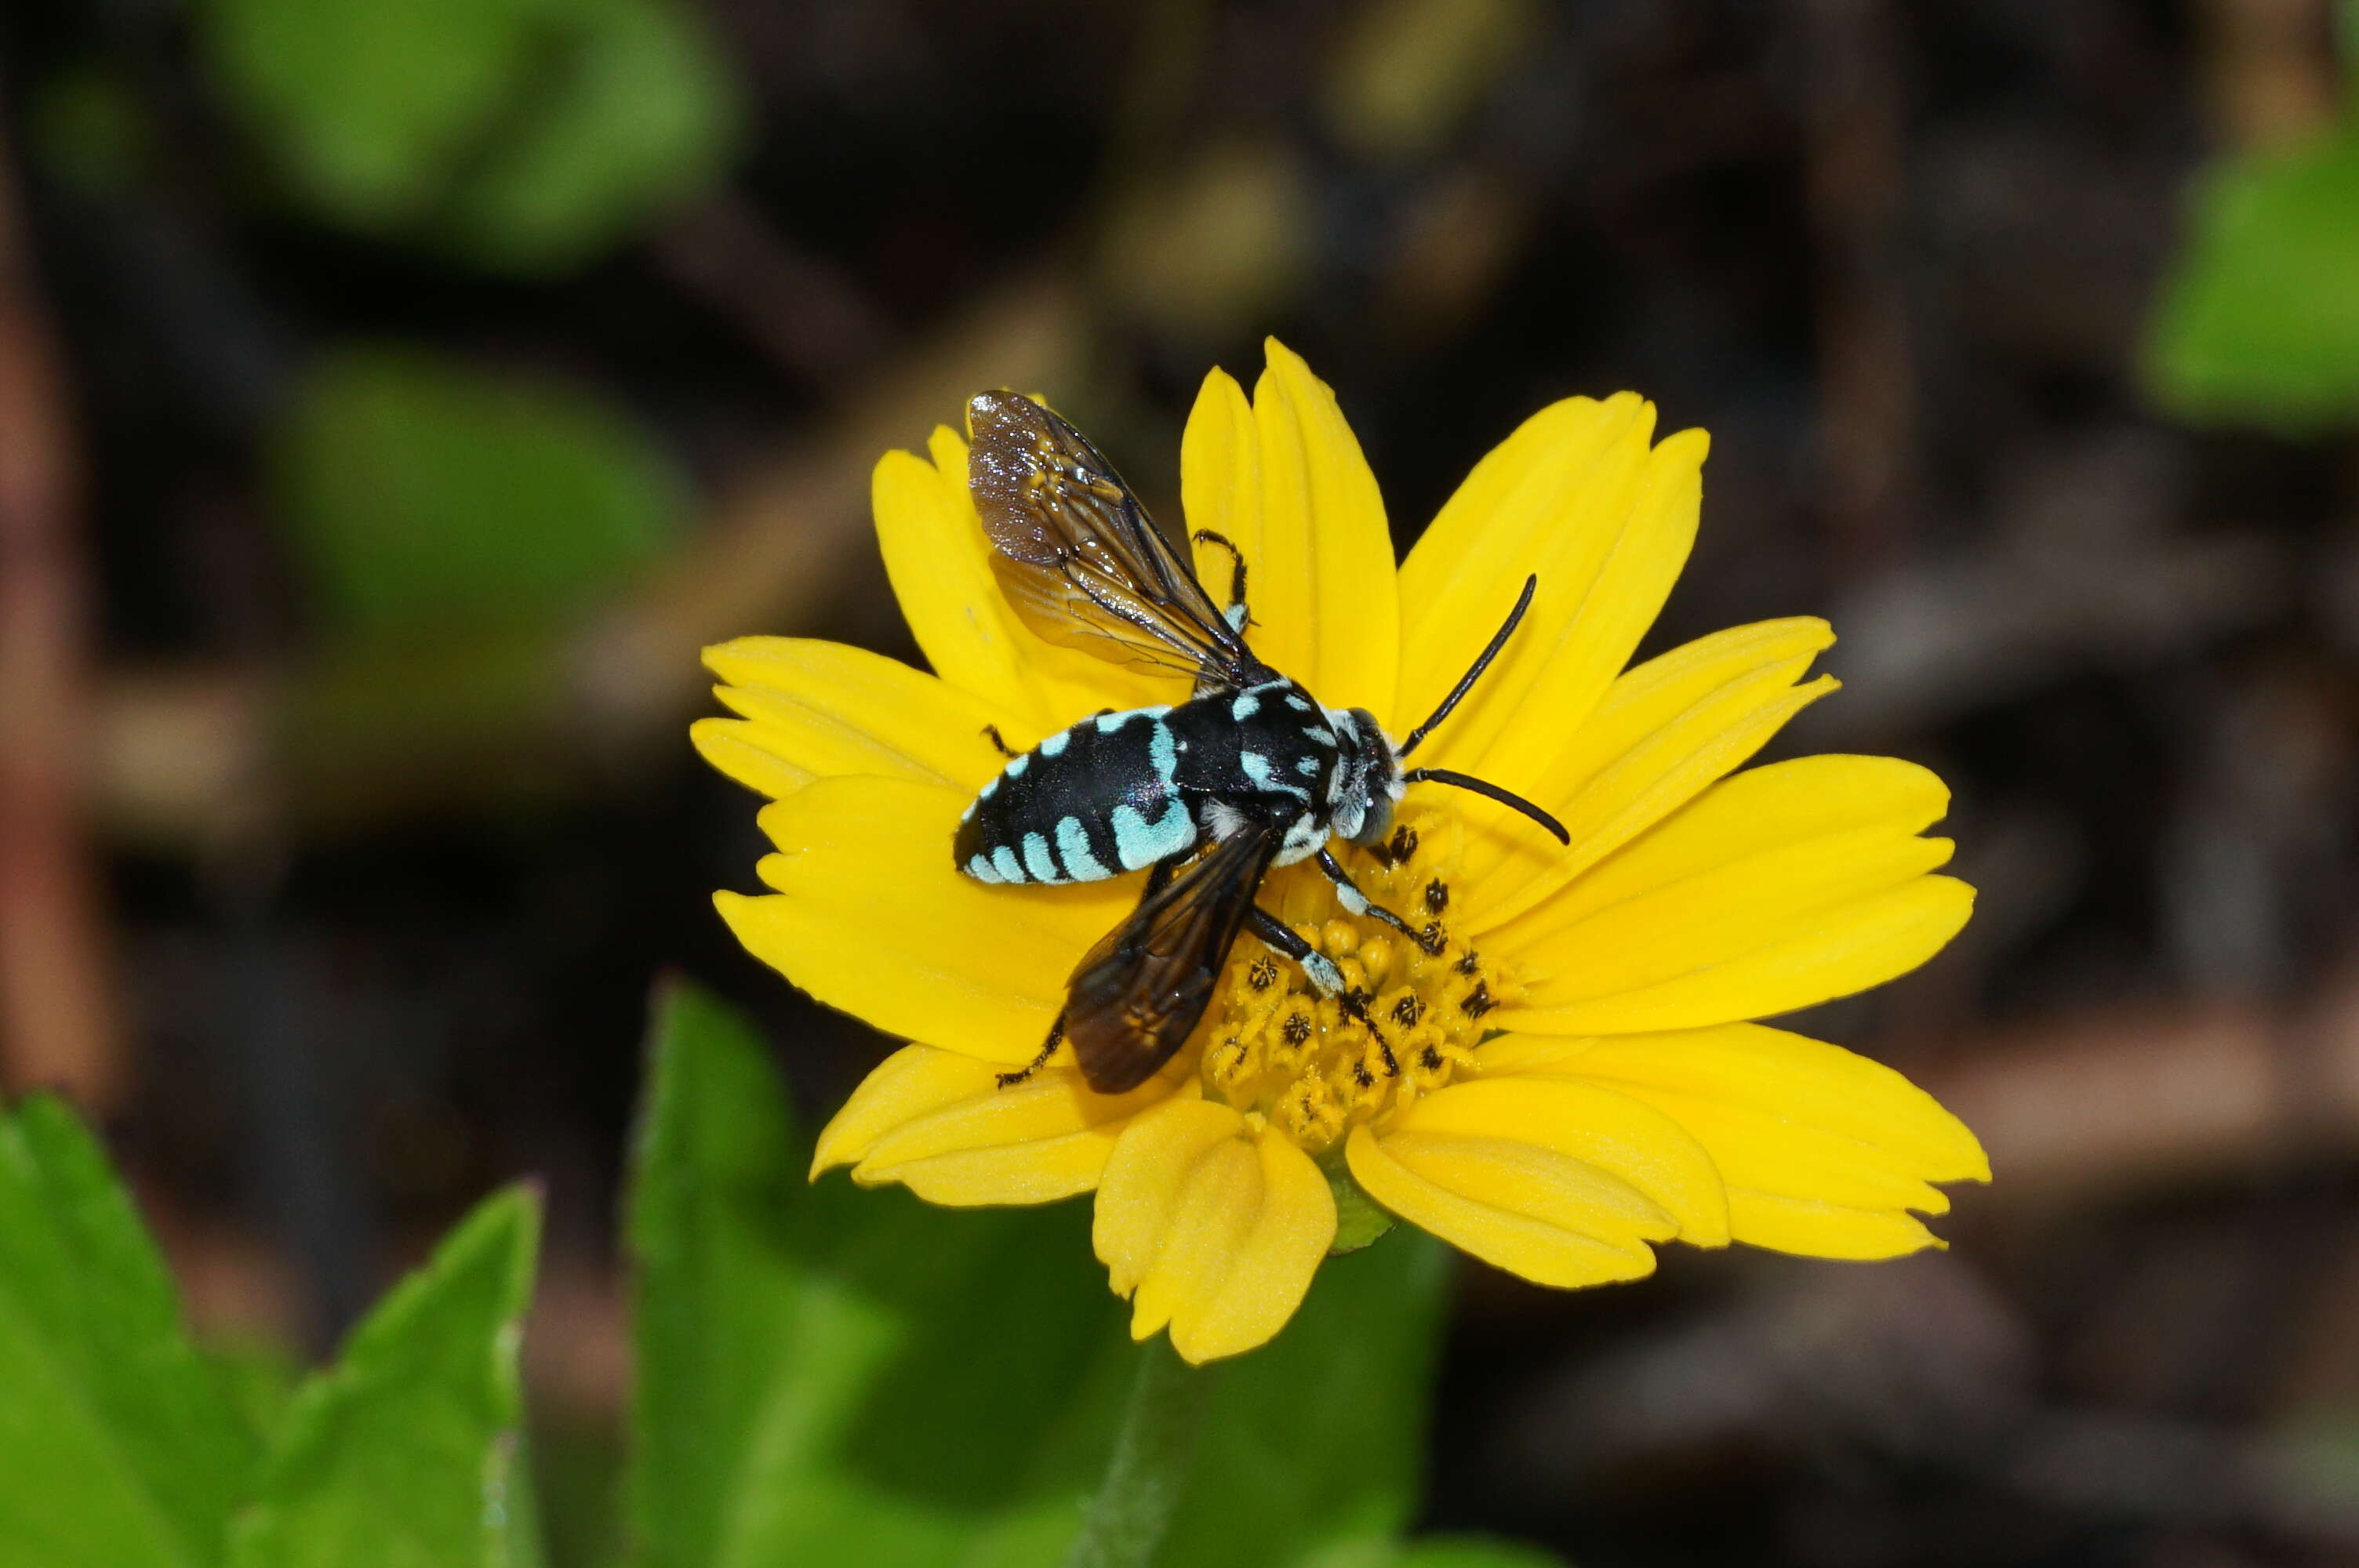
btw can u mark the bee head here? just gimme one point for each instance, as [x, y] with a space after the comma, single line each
[1368, 777]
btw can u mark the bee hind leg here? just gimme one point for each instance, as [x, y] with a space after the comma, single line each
[1048, 1049]
[1238, 617]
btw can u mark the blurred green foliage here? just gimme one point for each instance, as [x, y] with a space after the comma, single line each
[522, 135]
[826, 1376]
[427, 497]
[86, 127]
[2259, 321]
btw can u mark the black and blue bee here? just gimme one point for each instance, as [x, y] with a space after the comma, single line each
[1205, 795]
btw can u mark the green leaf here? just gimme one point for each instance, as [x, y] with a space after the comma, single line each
[405, 1454]
[829, 1374]
[707, 1228]
[119, 1449]
[259, 1377]
[1359, 1219]
[426, 497]
[2259, 320]
[522, 134]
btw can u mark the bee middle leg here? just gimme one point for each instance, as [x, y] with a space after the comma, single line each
[1322, 973]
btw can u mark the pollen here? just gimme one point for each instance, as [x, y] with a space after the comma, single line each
[1306, 1064]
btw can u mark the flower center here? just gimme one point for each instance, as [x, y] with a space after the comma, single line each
[1275, 1047]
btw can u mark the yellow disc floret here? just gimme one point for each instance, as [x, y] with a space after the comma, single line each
[1274, 1048]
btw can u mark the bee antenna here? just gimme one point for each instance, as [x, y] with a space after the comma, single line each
[1466, 681]
[1484, 787]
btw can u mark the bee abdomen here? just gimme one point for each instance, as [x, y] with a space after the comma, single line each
[1089, 802]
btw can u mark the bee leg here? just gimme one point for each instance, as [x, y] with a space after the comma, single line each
[991, 733]
[1158, 876]
[1048, 1049]
[1355, 901]
[1238, 617]
[1320, 970]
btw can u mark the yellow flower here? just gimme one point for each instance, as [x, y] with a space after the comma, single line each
[1578, 1077]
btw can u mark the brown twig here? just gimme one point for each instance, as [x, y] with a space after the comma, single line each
[57, 1027]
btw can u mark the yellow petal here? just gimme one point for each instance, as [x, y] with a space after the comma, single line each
[941, 1124]
[1775, 889]
[1826, 1230]
[1578, 498]
[1271, 1268]
[871, 917]
[1284, 481]
[1211, 1228]
[1822, 1149]
[1539, 1183]
[1664, 733]
[813, 709]
[1632, 1143]
[1543, 1253]
[1141, 1190]
[743, 757]
[1212, 1216]
[939, 562]
[912, 1082]
[1780, 1076]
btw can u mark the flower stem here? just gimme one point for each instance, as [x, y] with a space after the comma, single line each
[1147, 1474]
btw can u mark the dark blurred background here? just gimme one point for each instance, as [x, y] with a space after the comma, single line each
[396, 393]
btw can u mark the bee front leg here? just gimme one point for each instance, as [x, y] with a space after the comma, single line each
[1238, 617]
[1355, 901]
[1320, 970]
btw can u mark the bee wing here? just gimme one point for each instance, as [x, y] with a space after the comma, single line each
[1076, 555]
[1137, 994]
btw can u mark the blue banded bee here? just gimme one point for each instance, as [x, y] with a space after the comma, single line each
[1206, 795]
